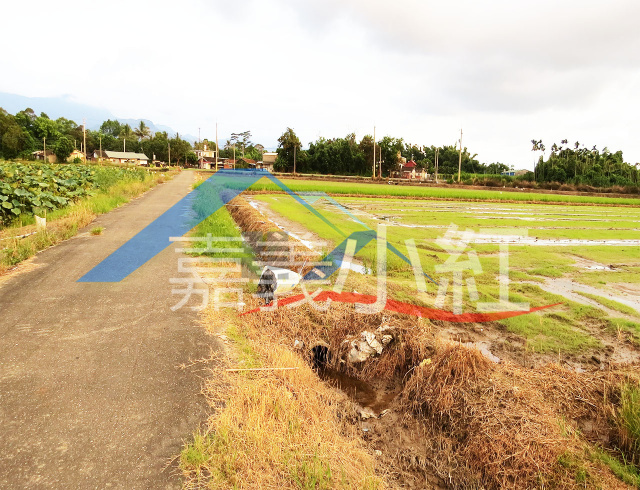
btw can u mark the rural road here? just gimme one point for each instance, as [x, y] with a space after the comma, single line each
[94, 392]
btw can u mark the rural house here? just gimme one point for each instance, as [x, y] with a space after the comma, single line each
[408, 170]
[51, 157]
[206, 157]
[126, 157]
[75, 154]
[268, 159]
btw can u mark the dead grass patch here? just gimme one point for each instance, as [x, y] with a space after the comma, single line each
[277, 429]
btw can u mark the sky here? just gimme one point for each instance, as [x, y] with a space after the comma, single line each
[504, 72]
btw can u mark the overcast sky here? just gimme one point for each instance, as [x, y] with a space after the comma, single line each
[504, 71]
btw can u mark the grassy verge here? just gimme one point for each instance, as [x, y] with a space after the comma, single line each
[65, 223]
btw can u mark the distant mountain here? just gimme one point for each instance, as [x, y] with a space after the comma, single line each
[64, 106]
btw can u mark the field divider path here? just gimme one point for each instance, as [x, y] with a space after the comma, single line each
[99, 382]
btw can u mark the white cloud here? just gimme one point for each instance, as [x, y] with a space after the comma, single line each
[505, 71]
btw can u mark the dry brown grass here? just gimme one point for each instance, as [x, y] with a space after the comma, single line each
[276, 429]
[257, 229]
[509, 426]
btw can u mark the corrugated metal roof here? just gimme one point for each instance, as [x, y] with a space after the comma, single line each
[126, 155]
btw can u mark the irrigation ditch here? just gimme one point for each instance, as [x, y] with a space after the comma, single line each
[439, 411]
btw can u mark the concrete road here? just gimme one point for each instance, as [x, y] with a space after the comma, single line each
[92, 392]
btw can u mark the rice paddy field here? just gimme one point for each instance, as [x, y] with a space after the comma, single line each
[586, 257]
[546, 399]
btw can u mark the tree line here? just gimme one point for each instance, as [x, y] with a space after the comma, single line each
[348, 156]
[25, 132]
[577, 164]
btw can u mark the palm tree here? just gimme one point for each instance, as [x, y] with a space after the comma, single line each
[142, 131]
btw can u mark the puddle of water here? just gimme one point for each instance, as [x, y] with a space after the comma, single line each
[592, 265]
[531, 240]
[484, 348]
[359, 391]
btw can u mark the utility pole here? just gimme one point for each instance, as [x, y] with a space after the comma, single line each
[294, 158]
[100, 157]
[125, 144]
[373, 175]
[437, 151]
[44, 151]
[84, 137]
[169, 145]
[217, 147]
[460, 157]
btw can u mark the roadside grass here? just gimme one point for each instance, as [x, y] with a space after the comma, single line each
[276, 429]
[220, 224]
[611, 304]
[97, 230]
[433, 192]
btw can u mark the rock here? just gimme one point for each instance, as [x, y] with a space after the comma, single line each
[370, 344]
[298, 344]
[370, 338]
[360, 351]
[367, 413]
[378, 452]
